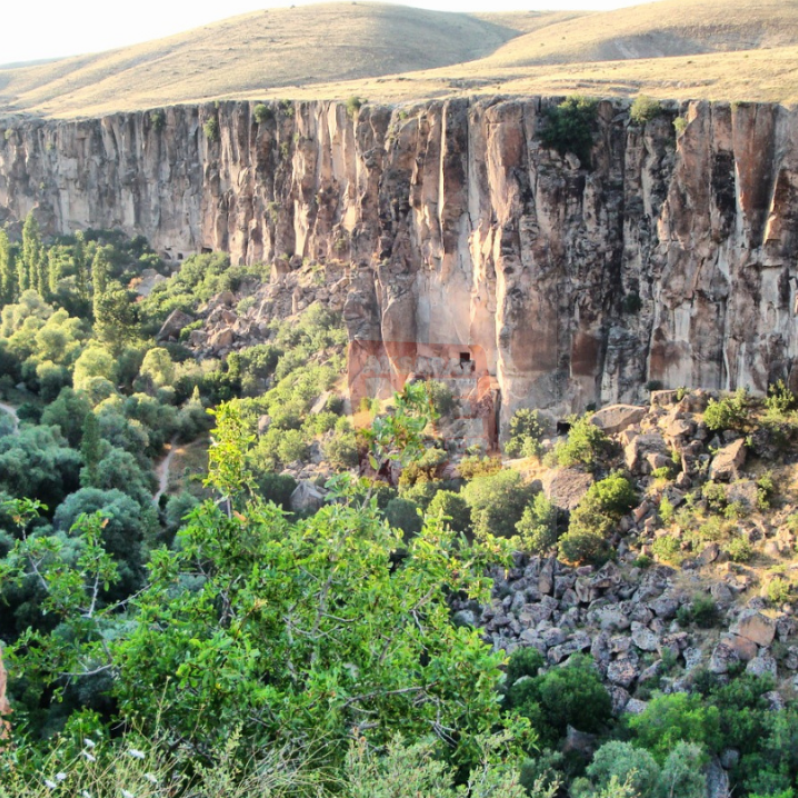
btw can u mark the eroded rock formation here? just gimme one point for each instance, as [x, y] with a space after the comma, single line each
[672, 260]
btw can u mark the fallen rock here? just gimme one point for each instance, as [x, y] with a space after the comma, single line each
[307, 497]
[616, 418]
[756, 627]
[566, 487]
[728, 461]
[175, 322]
[762, 665]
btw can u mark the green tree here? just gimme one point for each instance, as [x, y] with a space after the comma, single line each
[157, 368]
[497, 502]
[90, 449]
[537, 528]
[452, 506]
[623, 761]
[8, 278]
[28, 263]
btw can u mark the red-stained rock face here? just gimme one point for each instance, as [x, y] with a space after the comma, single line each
[672, 260]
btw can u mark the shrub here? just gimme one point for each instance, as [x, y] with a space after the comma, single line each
[666, 511]
[497, 502]
[353, 105]
[341, 450]
[669, 719]
[613, 495]
[728, 413]
[779, 590]
[524, 662]
[537, 528]
[679, 125]
[292, 446]
[667, 549]
[780, 399]
[211, 129]
[263, 113]
[527, 430]
[683, 772]
[276, 488]
[644, 109]
[569, 127]
[585, 540]
[403, 514]
[157, 120]
[443, 401]
[454, 507]
[574, 696]
[623, 761]
[701, 611]
[472, 467]
[585, 443]
[739, 549]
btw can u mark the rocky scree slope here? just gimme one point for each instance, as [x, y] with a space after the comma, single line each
[671, 259]
[639, 616]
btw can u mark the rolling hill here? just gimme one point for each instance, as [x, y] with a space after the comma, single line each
[717, 49]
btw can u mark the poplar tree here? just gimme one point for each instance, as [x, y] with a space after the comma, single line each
[7, 277]
[31, 254]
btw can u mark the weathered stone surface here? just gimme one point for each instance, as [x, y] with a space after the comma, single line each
[307, 497]
[616, 418]
[727, 462]
[175, 322]
[566, 487]
[762, 665]
[744, 648]
[622, 672]
[755, 627]
[645, 639]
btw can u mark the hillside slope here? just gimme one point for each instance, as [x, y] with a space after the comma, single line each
[681, 49]
[275, 48]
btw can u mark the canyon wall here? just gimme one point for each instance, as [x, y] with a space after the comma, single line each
[671, 260]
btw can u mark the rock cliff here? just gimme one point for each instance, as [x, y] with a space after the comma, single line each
[671, 260]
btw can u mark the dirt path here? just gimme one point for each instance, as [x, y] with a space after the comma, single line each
[162, 471]
[12, 411]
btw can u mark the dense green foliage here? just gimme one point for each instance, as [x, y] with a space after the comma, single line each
[569, 127]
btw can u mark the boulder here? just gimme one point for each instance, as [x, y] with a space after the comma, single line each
[566, 487]
[726, 464]
[642, 448]
[616, 418]
[175, 322]
[645, 639]
[622, 672]
[307, 497]
[755, 627]
[636, 706]
[718, 785]
[762, 665]
[745, 649]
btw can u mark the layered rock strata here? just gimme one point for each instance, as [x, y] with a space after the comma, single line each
[671, 260]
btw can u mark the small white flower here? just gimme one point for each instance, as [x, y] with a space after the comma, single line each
[51, 785]
[136, 754]
[150, 778]
[127, 794]
[89, 743]
[60, 776]
[86, 794]
[89, 757]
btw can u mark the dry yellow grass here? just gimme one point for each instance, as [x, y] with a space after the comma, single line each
[681, 49]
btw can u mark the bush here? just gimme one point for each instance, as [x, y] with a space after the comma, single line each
[739, 549]
[669, 719]
[679, 125]
[403, 514]
[341, 450]
[524, 662]
[537, 528]
[624, 762]
[353, 105]
[454, 507]
[614, 495]
[527, 430]
[276, 488]
[701, 611]
[780, 399]
[292, 446]
[667, 549]
[585, 540]
[263, 113]
[441, 396]
[157, 120]
[211, 129]
[779, 590]
[497, 502]
[683, 772]
[584, 445]
[574, 696]
[569, 127]
[472, 467]
[728, 413]
[644, 109]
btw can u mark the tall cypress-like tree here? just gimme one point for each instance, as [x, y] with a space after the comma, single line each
[54, 266]
[100, 268]
[8, 278]
[90, 449]
[81, 279]
[31, 254]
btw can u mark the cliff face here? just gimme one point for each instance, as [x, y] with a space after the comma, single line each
[672, 260]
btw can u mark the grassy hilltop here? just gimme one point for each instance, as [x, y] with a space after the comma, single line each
[715, 49]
